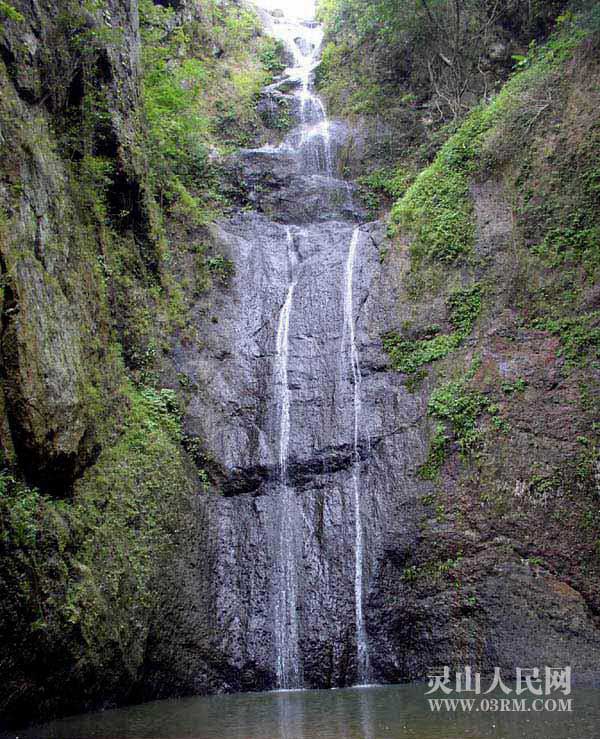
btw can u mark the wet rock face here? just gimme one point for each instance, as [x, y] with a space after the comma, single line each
[305, 211]
[55, 325]
[237, 415]
[517, 618]
[277, 183]
[235, 367]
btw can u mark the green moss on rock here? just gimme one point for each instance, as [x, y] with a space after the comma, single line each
[80, 578]
[409, 355]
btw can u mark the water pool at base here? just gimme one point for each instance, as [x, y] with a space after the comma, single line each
[398, 711]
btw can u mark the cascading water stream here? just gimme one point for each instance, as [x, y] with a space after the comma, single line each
[312, 140]
[349, 345]
[310, 144]
[283, 330]
[313, 146]
[287, 584]
[286, 619]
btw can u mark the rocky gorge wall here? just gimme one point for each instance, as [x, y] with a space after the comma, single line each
[468, 536]
[84, 449]
[141, 495]
[495, 252]
[449, 582]
[98, 485]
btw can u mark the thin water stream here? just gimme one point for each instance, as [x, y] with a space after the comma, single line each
[288, 669]
[349, 348]
[311, 142]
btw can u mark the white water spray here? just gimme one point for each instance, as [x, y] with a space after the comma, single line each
[313, 138]
[286, 618]
[310, 144]
[283, 331]
[348, 337]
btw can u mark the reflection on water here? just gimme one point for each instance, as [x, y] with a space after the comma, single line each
[398, 712]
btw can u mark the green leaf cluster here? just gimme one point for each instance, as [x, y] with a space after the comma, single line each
[408, 355]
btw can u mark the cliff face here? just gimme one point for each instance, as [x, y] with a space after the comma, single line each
[84, 451]
[138, 402]
[495, 249]
[55, 325]
[97, 490]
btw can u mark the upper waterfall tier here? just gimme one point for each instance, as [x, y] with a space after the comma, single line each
[297, 180]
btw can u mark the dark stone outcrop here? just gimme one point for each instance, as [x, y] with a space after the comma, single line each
[55, 328]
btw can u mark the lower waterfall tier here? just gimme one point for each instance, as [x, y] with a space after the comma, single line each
[237, 415]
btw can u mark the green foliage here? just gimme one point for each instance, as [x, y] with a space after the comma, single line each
[410, 574]
[125, 512]
[19, 506]
[433, 570]
[283, 120]
[558, 221]
[415, 380]
[393, 183]
[389, 59]
[535, 562]
[197, 100]
[439, 214]
[194, 447]
[464, 307]
[556, 192]
[558, 187]
[221, 267]
[409, 355]
[460, 408]
[211, 268]
[204, 480]
[383, 183]
[457, 408]
[437, 209]
[162, 410]
[518, 386]
[81, 116]
[579, 336]
[436, 455]
[10, 13]
[82, 571]
[95, 176]
[178, 130]
[271, 55]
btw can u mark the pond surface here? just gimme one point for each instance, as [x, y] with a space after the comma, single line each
[377, 712]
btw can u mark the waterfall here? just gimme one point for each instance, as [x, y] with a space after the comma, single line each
[313, 146]
[348, 338]
[312, 557]
[286, 619]
[313, 139]
[283, 330]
